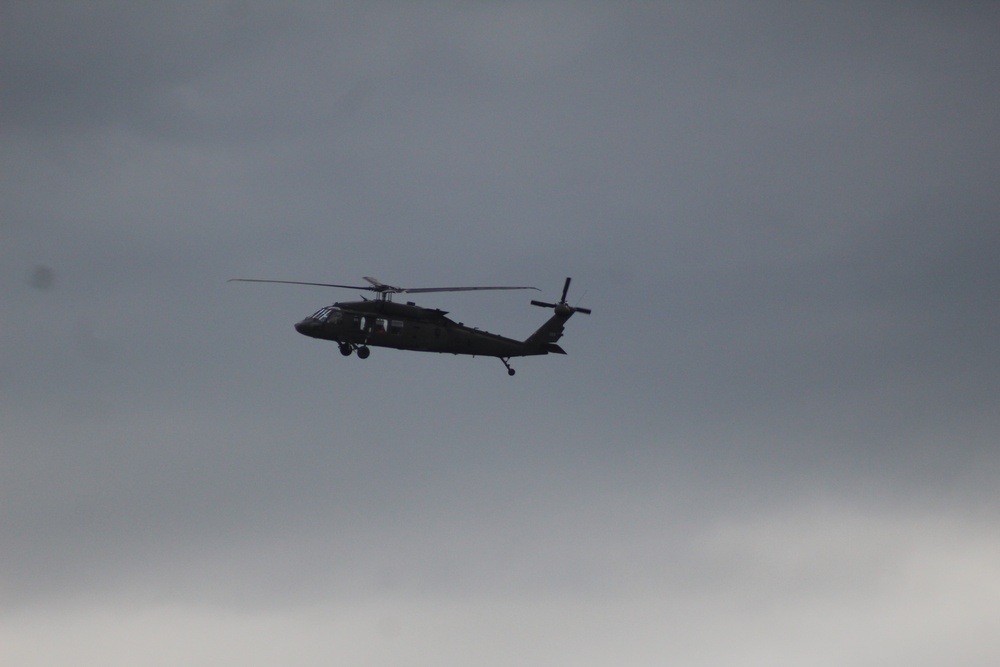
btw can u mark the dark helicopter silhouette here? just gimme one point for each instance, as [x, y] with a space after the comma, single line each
[379, 322]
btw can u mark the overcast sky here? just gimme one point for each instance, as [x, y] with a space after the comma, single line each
[774, 442]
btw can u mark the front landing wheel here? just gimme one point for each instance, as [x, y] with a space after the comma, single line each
[363, 352]
[346, 349]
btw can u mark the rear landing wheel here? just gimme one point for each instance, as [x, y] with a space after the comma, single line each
[506, 362]
[510, 371]
[363, 352]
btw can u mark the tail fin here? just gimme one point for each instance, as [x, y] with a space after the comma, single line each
[546, 336]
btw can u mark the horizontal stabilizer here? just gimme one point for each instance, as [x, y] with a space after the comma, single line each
[552, 348]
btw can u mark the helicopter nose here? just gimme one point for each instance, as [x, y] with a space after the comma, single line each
[304, 327]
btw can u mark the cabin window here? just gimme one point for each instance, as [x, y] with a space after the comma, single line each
[395, 327]
[377, 325]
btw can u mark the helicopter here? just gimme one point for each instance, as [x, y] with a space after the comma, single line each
[357, 326]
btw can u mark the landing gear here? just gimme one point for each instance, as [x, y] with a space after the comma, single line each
[347, 348]
[506, 362]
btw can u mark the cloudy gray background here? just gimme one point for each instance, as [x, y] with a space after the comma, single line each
[775, 441]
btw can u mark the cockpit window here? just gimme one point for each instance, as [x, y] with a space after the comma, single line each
[329, 313]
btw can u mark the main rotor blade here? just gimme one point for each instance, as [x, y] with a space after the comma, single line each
[298, 282]
[418, 290]
[380, 286]
[377, 286]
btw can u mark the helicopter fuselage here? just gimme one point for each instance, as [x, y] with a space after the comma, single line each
[355, 325]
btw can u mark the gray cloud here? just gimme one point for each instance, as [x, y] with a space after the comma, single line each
[773, 441]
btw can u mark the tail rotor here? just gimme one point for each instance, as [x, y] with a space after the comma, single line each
[562, 308]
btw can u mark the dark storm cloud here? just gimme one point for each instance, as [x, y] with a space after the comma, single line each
[83, 66]
[780, 415]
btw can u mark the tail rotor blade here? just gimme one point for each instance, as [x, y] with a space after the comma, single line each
[542, 304]
[565, 290]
